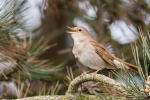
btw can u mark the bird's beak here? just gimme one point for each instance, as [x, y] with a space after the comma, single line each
[72, 30]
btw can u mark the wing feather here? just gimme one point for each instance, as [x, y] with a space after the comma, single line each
[103, 53]
[109, 58]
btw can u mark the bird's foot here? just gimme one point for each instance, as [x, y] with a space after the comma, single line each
[94, 73]
[84, 73]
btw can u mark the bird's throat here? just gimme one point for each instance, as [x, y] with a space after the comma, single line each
[79, 38]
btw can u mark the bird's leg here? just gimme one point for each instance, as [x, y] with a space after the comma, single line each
[84, 73]
[94, 73]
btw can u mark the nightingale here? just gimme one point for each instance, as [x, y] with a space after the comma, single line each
[94, 55]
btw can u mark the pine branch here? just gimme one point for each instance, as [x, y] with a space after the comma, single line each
[21, 55]
[137, 90]
[73, 87]
[74, 94]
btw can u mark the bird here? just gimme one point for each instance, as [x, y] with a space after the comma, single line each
[94, 55]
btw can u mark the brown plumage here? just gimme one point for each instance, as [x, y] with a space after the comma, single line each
[94, 55]
[108, 57]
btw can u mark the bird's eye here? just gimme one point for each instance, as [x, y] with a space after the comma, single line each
[80, 29]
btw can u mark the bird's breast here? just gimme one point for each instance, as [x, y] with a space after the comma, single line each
[87, 55]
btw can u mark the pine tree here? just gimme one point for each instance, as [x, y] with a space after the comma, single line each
[19, 56]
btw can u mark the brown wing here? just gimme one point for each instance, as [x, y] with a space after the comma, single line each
[103, 53]
[108, 57]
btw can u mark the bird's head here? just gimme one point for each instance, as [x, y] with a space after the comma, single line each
[79, 32]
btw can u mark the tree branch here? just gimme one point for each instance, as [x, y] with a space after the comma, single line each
[77, 96]
[73, 87]
[74, 94]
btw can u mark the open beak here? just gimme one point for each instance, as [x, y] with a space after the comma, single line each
[72, 30]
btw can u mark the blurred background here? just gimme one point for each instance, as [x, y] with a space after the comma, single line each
[113, 23]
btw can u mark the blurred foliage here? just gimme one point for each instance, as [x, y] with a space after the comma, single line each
[22, 54]
[19, 55]
[27, 53]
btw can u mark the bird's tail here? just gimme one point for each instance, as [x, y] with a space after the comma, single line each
[132, 68]
[122, 64]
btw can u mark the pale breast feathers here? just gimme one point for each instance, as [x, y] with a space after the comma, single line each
[87, 55]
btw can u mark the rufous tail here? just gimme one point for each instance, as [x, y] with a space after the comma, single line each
[131, 67]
